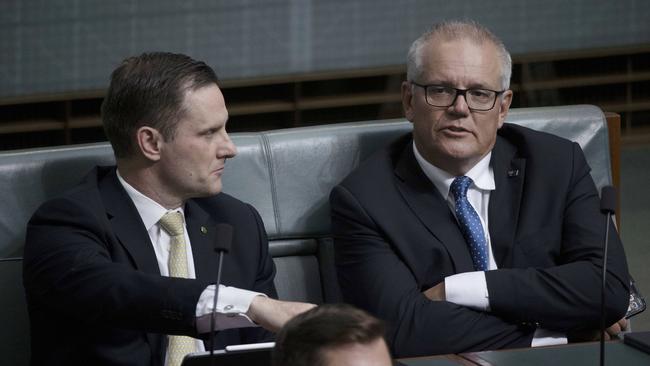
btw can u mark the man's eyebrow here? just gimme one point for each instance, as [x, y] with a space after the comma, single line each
[480, 86]
[475, 85]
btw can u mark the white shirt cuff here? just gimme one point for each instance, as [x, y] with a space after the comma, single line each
[544, 337]
[468, 289]
[232, 305]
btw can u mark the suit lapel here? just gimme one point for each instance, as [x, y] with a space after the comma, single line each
[505, 200]
[431, 209]
[127, 224]
[130, 231]
[201, 229]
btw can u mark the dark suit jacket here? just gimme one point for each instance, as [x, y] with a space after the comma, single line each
[94, 291]
[395, 237]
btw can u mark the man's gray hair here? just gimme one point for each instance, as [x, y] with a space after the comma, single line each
[455, 30]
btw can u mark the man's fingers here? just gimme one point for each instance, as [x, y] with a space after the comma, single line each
[613, 330]
[617, 327]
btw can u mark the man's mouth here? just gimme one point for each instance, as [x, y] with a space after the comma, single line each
[455, 129]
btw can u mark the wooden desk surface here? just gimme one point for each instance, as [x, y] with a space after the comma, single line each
[577, 354]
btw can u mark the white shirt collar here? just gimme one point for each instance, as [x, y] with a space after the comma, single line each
[482, 174]
[150, 211]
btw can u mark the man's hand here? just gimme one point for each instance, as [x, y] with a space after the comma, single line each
[615, 329]
[436, 293]
[594, 335]
[271, 314]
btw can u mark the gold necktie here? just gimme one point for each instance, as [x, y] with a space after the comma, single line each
[172, 223]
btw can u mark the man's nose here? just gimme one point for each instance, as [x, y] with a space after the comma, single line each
[459, 105]
[228, 149]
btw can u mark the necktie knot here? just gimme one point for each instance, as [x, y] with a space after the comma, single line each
[459, 187]
[172, 223]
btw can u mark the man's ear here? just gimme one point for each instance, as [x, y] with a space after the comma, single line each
[504, 106]
[149, 142]
[407, 100]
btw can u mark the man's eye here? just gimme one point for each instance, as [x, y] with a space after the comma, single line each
[479, 93]
[438, 90]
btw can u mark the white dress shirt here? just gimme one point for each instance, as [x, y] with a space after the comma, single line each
[470, 288]
[232, 304]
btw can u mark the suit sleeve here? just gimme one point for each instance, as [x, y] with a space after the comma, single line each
[68, 271]
[566, 296]
[266, 268]
[373, 277]
[263, 283]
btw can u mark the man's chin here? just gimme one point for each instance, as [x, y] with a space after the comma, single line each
[216, 188]
[457, 150]
[214, 191]
[208, 191]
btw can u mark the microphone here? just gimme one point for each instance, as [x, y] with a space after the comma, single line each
[608, 207]
[608, 200]
[222, 244]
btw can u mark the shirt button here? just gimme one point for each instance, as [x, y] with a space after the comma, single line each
[228, 307]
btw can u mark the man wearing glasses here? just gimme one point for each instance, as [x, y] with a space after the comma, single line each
[470, 233]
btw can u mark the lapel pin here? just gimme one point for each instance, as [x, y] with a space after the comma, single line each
[204, 230]
[513, 173]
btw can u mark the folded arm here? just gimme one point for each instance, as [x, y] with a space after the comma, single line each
[566, 295]
[374, 277]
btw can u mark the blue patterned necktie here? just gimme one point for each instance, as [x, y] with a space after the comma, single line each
[470, 223]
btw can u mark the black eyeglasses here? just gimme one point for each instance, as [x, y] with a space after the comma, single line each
[445, 96]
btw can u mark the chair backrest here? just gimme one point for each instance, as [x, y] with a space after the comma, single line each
[286, 174]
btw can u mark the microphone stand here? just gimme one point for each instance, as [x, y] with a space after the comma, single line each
[222, 244]
[602, 295]
[214, 306]
[607, 206]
